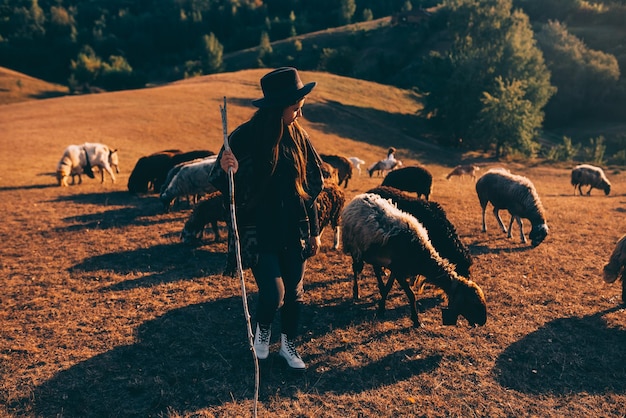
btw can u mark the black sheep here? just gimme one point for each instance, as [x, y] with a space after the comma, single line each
[342, 164]
[411, 179]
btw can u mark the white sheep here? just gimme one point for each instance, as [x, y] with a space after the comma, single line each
[516, 194]
[589, 175]
[357, 163]
[190, 180]
[81, 159]
[376, 232]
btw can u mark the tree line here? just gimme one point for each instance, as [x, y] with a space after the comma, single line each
[495, 80]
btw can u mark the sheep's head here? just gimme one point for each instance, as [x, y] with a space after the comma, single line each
[190, 236]
[607, 189]
[538, 233]
[466, 299]
[114, 160]
[611, 272]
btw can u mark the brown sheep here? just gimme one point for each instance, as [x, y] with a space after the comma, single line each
[342, 164]
[616, 267]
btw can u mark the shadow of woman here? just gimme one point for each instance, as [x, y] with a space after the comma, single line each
[567, 355]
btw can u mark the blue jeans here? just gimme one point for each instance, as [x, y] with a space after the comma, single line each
[279, 277]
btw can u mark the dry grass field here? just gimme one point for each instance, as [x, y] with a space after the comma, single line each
[105, 313]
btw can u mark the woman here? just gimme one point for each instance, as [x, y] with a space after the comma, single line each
[277, 178]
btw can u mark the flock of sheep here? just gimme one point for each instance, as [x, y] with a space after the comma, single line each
[393, 227]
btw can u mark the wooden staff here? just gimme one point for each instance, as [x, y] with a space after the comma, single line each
[235, 232]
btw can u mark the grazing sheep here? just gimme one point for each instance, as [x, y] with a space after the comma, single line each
[191, 180]
[616, 267]
[462, 170]
[516, 194]
[411, 179]
[589, 175]
[151, 171]
[357, 163]
[79, 159]
[375, 231]
[384, 166]
[329, 172]
[343, 166]
[330, 203]
[432, 216]
[210, 210]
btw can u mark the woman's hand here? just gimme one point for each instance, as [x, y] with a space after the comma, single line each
[315, 243]
[228, 160]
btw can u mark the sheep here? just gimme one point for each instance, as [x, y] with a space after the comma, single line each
[330, 203]
[212, 209]
[383, 166]
[589, 175]
[79, 159]
[191, 180]
[411, 179]
[151, 171]
[517, 194]
[616, 266]
[462, 170]
[357, 163]
[432, 216]
[343, 166]
[329, 172]
[376, 232]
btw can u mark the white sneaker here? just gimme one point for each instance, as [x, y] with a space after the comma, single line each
[289, 353]
[262, 342]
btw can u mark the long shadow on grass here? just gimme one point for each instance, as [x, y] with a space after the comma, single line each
[137, 211]
[197, 357]
[157, 265]
[567, 355]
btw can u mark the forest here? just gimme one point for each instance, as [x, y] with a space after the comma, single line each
[504, 76]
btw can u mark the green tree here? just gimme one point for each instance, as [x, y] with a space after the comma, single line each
[493, 59]
[84, 70]
[265, 50]
[212, 54]
[507, 120]
[584, 77]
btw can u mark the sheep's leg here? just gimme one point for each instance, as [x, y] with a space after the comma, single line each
[484, 220]
[383, 288]
[510, 226]
[521, 229]
[624, 287]
[412, 300]
[337, 237]
[357, 268]
[589, 191]
[216, 232]
[496, 213]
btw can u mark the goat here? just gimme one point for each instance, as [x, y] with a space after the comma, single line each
[411, 179]
[432, 216]
[79, 159]
[383, 166]
[357, 163]
[616, 266]
[343, 166]
[517, 194]
[589, 175]
[210, 210]
[191, 180]
[375, 231]
[462, 170]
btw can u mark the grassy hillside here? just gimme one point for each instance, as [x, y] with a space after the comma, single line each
[18, 87]
[106, 313]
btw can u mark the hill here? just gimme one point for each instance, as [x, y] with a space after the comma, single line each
[106, 313]
[17, 87]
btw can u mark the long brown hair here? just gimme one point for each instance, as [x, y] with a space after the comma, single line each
[268, 121]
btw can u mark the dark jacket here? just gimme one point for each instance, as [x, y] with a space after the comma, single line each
[270, 215]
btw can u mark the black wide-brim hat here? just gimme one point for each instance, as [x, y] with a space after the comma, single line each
[282, 87]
